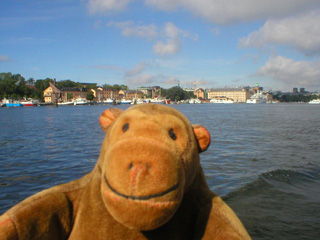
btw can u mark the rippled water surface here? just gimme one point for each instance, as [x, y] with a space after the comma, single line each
[263, 159]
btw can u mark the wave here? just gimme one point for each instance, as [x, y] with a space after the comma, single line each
[280, 204]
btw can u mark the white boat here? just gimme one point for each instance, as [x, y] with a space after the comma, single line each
[65, 103]
[315, 101]
[125, 101]
[108, 101]
[80, 101]
[154, 100]
[29, 102]
[11, 103]
[194, 101]
[137, 101]
[221, 100]
[257, 98]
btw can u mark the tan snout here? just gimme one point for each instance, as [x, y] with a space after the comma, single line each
[140, 168]
[143, 183]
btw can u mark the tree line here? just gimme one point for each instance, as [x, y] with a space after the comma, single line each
[294, 97]
[15, 86]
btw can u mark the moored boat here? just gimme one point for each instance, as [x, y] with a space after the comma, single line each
[80, 101]
[153, 100]
[315, 101]
[258, 97]
[137, 101]
[125, 101]
[28, 103]
[221, 100]
[65, 103]
[14, 105]
[256, 100]
[194, 101]
[11, 103]
[109, 101]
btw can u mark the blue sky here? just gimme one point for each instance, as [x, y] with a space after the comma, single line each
[159, 42]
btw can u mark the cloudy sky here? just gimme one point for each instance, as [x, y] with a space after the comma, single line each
[159, 42]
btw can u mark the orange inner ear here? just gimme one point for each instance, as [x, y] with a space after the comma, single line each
[108, 116]
[202, 136]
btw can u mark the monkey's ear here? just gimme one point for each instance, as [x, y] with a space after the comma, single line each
[202, 136]
[108, 117]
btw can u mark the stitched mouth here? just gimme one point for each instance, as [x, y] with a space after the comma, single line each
[141, 197]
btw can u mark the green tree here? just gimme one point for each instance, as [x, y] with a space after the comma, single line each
[12, 86]
[294, 98]
[107, 86]
[123, 87]
[91, 86]
[41, 85]
[176, 94]
[90, 96]
[68, 84]
[69, 95]
[116, 87]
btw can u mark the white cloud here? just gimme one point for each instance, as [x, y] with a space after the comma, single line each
[136, 75]
[4, 58]
[217, 11]
[167, 41]
[301, 32]
[136, 70]
[292, 73]
[130, 29]
[172, 44]
[171, 80]
[98, 6]
[233, 11]
[140, 79]
[106, 67]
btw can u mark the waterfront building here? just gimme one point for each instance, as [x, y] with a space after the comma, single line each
[131, 94]
[145, 90]
[200, 93]
[153, 92]
[53, 94]
[235, 94]
[102, 94]
[269, 97]
[108, 93]
[31, 83]
[98, 94]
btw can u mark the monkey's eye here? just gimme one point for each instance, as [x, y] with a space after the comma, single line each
[125, 127]
[172, 134]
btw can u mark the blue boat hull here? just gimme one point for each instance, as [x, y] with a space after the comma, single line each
[14, 105]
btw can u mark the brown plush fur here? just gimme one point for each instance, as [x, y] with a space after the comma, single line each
[147, 184]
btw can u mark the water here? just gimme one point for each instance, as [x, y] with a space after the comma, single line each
[263, 160]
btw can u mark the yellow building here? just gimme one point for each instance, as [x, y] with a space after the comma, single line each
[199, 93]
[236, 94]
[52, 94]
